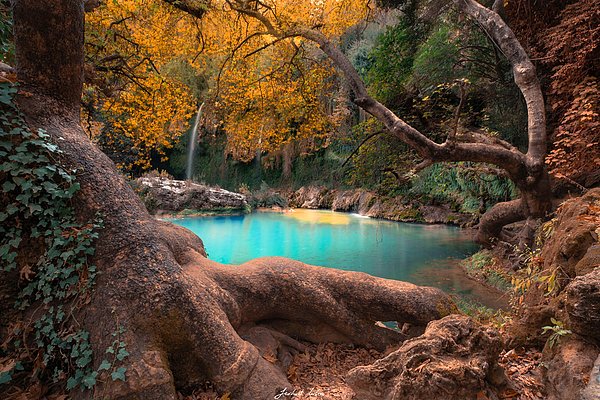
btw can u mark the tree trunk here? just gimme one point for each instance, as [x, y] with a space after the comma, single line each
[535, 202]
[182, 313]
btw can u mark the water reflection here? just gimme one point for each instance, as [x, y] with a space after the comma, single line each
[423, 254]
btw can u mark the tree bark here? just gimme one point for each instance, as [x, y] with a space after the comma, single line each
[49, 47]
[183, 313]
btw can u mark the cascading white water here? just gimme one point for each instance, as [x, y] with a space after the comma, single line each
[192, 144]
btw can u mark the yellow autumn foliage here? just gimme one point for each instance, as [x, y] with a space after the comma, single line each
[264, 92]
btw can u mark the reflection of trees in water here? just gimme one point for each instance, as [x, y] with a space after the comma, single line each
[450, 276]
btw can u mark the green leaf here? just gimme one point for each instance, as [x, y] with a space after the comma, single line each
[104, 365]
[6, 99]
[83, 361]
[119, 374]
[34, 207]
[122, 354]
[90, 380]
[5, 377]
[71, 383]
[8, 186]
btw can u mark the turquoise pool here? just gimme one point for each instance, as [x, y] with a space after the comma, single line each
[423, 254]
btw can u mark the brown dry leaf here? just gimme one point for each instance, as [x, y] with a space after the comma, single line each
[226, 396]
[8, 77]
[511, 355]
[509, 394]
[36, 391]
[269, 358]
[420, 367]
[25, 273]
[7, 365]
[292, 372]
[482, 396]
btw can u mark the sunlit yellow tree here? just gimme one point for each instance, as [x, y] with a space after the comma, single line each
[131, 49]
[276, 91]
[273, 98]
[265, 92]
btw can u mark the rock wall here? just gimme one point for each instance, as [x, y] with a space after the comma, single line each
[164, 195]
[172, 196]
[571, 254]
[367, 203]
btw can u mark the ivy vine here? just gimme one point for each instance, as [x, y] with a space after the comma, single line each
[37, 217]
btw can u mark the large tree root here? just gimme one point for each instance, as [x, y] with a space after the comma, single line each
[199, 315]
[183, 314]
[502, 214]
[455, 359]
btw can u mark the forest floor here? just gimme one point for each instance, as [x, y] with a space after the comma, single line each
[320, 372]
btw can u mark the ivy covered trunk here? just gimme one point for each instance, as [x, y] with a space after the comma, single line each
[121, 305]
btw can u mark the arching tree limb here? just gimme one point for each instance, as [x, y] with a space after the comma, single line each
[524, 75]
[526, 170]
[498, 154]
[500, 215]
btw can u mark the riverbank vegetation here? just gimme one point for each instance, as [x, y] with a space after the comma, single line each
[406, 110]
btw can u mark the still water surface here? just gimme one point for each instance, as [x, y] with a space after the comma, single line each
[422, 254]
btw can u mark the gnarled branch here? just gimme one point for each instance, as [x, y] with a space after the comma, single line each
[524, 75]
[194, 8]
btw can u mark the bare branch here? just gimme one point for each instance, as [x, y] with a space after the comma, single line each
[261, 48]
[524, 75]
[194, 8]
[452, 134]
[365, 140]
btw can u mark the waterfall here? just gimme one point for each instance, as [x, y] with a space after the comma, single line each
[192, 144]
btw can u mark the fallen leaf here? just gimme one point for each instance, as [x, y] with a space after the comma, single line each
[292, 372]
[509, 394]
[8, 365]
[269, 358]
[482, 396]
[25, 273]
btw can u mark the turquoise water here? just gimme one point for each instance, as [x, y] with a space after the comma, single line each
[422, 254]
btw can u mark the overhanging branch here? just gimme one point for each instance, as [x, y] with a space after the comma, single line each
[486, 149]
[194, 8]
[524, 75]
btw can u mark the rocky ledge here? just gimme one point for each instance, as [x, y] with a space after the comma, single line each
[372, 205]
[163, 195]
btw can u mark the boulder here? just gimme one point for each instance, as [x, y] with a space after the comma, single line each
[592, 391]
[167, 195]
[355, 200]
[370, 204]
[582, 304]
[572, 255]
[569, 368]
[312, 197]
[574, 236]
